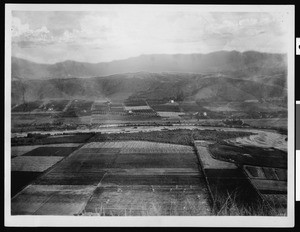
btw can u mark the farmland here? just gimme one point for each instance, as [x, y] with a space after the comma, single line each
[101, 179]
[27, 107]
[66, 114]
[270, 122]
[55, 105]
[29, 162]
[137, 157]
[78, 108]
[35, 139]
[139, 173]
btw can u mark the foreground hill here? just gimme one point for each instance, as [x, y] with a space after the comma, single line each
[242, 64]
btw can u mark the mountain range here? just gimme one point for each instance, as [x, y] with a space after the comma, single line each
[248, 63]
[219, 76]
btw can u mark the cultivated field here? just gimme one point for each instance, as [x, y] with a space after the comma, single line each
[29, 162]
[267, 122]
[27, 107]
[21, 150]
[119, 178]
[55, 105]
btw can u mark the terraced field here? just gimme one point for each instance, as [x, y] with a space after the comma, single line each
[119, 178]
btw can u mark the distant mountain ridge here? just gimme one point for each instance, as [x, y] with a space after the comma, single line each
[245, 63]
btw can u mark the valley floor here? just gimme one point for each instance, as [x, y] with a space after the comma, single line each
[119, 179]
[122, 174]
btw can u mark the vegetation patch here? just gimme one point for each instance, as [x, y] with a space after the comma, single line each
[251, 155]
[179, 136]
[27, 106]
[36, 139]
[56, 105]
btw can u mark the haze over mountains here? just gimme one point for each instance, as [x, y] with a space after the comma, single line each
[218, 76]
[223, 61]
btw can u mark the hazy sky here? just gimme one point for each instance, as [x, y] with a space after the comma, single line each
[49, 37]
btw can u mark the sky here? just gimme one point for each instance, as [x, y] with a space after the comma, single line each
[103, 36]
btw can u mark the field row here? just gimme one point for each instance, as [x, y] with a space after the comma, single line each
[102, 179]
[164, 147]
[79, 107]
[29, 162]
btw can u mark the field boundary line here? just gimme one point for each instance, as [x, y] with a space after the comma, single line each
[200, 166]
[51, 195]
[47, 171]
[91, 195]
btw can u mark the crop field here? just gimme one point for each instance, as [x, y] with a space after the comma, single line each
[29, 162]
[142, 146]
[272, 185]
[21, 150]
[164, 114]
[144, 107]
[256, 106]
[191, 107]
[168, 107]
[30, 120]
[115, 104]
[118, 118]
[107, 108]
[232, 192]
[43, 119]
[33, 163]
[18, 121]
[266, 173]
[50, 151]
[268, 122]
[135, 103]
[221, 108]
[77, 138]
[152, 102]
[80, 120]
[21, 179]
[124, 178]
[117, 109]
[100, 106]
[80, 107]
[55, 105]
[41, 199]
[28, 106]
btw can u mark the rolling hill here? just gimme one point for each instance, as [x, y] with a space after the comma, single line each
[196, 87]
[219, 76]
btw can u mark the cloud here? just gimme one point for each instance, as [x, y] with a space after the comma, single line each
[118, 34]
[23, 35]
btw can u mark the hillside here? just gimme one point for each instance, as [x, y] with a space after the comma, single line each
[196, 87]
[241, 64]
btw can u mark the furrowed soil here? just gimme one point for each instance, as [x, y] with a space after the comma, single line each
[120, 178]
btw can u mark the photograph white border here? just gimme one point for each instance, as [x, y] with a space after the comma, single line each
[170, 221]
